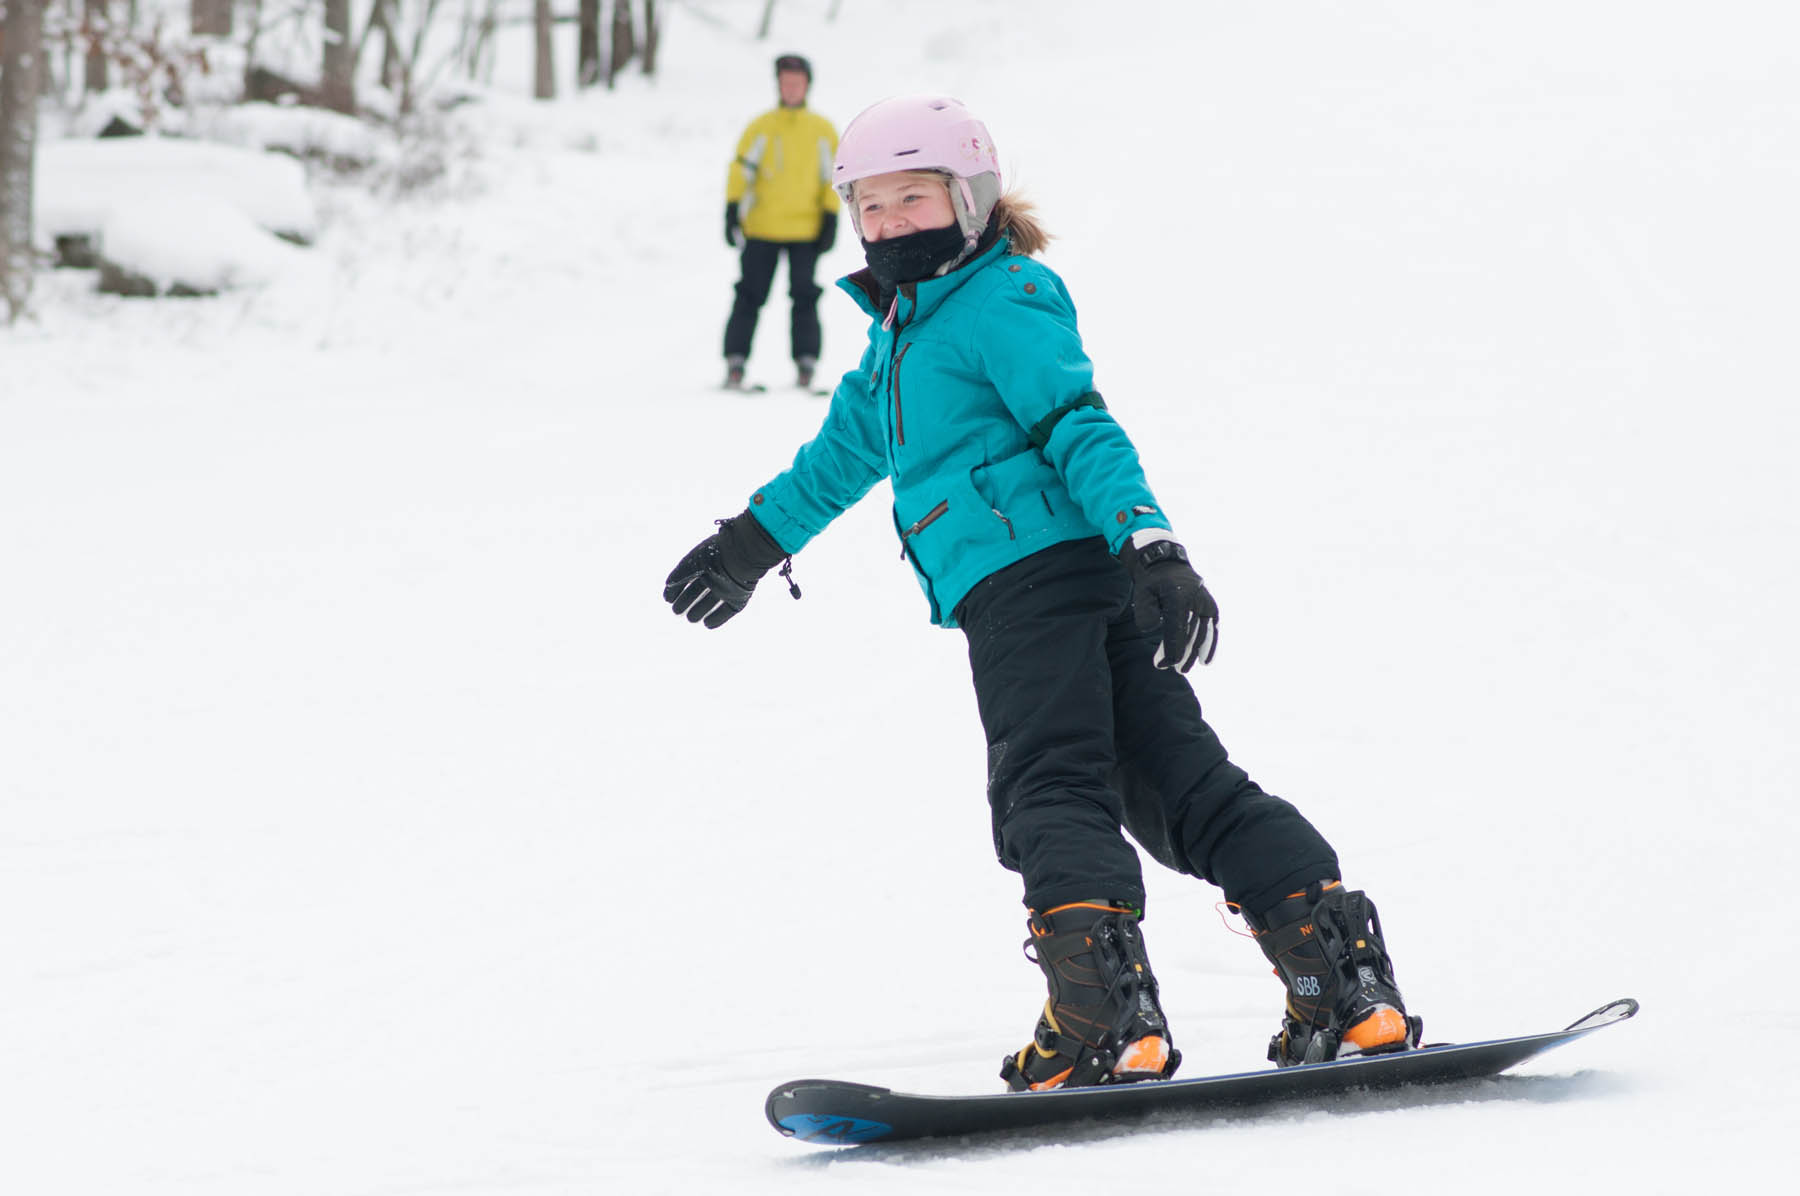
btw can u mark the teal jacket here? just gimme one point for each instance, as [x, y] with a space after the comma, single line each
[976, 400]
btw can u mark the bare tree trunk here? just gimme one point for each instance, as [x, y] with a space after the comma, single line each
[393, 64]
[21, 65]
[94, 68]
[477, 28]
[68, 44]
[210, 17]
[652, 36]
[546, 65]
[337, 74]
[256, 8]
[409, 91]
[383, 16]
[624, 40]
[762, 31]
[587, 52]
[481, 44]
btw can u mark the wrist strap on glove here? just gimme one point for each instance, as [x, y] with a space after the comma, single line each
[747, 551]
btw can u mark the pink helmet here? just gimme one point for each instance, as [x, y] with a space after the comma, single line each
[923, 133]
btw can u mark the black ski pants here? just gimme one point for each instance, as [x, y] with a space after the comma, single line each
[1086, 735]
[758, 264]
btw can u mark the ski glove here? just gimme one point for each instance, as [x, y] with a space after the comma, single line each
[714, 581]
[827, 233]
[731, 225]
[1168, 595]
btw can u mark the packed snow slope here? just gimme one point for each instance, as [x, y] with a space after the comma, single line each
[370, 826]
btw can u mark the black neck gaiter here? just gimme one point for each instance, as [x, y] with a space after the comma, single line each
[911, 258]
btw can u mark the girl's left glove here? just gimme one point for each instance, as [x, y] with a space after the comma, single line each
[714, 581]
[1168, 595]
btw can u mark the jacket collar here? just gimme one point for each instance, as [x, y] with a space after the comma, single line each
[917, 300]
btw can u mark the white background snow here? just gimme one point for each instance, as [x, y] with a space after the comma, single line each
[370, 826]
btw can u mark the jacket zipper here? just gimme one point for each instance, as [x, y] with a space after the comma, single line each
[930, 517]
[894, 390]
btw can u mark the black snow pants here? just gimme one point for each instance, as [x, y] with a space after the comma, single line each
[1086, 735]
[759, 259]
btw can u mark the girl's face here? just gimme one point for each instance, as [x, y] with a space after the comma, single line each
[904, 202]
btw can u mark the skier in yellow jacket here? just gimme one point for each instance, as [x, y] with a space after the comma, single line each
[779, 196]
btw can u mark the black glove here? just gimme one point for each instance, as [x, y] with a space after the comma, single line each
[1168, 594]
[827, 233]
[714, 581]
[731, 225]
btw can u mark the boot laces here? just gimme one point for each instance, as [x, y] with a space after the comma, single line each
[1110, 934]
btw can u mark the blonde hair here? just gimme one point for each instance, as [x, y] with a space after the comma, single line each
[1015, 215]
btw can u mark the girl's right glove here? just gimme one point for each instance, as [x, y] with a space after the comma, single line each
[1169, 595]
[715, 579]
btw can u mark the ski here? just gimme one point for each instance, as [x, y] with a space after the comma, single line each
[761, 388]
[840, 1113]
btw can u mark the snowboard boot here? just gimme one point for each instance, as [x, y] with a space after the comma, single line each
[1326, 945]
[734, 373]
[804, 368]
[1102, 1023]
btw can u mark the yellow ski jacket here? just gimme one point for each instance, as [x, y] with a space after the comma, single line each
[781, 177]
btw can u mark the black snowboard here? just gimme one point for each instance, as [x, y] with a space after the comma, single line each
[836, 1113]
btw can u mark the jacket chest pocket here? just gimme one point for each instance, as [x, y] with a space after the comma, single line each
[895, 406]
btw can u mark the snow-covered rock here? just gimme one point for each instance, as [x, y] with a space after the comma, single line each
[161, 214]
[78, 182]
[166, 242]
[305, 132]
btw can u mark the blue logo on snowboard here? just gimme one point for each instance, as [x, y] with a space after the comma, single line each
[819, 1127]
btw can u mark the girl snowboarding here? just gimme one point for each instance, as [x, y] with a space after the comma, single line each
[1022, 507]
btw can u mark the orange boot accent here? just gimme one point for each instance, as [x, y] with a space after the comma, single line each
[1145, 1057]
[1032, 1048]
[1099, 905]
[1384, 1027]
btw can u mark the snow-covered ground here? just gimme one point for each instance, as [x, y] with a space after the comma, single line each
[367, 824]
